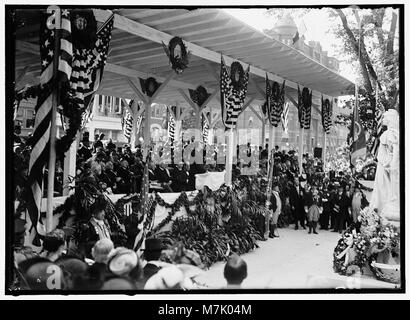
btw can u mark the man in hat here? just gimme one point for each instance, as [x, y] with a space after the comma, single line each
[296, 197]
[152, 253]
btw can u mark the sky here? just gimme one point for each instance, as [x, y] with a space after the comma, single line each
[317, 25]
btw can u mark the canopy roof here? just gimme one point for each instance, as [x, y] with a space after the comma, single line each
[137, 51]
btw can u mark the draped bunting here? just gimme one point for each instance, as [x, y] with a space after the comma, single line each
[233, 93]
[275, 100]
[304, 107]
[327, 110]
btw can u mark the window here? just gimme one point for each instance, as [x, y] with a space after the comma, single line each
[29, 114]
[30, 123]
[20, 112]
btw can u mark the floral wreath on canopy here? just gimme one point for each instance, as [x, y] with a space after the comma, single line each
[178, 62]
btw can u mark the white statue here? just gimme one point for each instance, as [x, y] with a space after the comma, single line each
[386, 191]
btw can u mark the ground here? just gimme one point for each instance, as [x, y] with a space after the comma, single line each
[289, 262]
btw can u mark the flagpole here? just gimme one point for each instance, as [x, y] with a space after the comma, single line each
[53, 127]
[302, 131]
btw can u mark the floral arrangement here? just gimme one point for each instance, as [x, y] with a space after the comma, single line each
[338, 161]
[360, 248]
[351, 250]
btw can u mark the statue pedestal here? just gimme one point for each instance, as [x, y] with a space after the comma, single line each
[391, 212]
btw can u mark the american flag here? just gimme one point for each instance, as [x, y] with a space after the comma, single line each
[285, 118]
[327, 111]
[145, 221]
[127, 121]
[48, 80]
[304, 107]
[231, 100]
[379, 130]
[88, 65]
[275, 99]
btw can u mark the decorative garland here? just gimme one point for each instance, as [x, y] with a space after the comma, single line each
[179, 60]
[149, 86]
[237, 76]
[199, 95]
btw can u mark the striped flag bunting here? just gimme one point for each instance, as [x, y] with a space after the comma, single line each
[145, 221]
[327, 110]
[304, 107]
[40, 141]
[231, 99]
[127, 122]
[275, 99]
[379, 130]
[88, 65]
[285, 118]
[205, 129]
[171, 128]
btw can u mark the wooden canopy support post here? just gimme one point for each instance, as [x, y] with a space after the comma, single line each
[230, 138]
[137, 91]
[301, 133]
[324, 150]
[246, 105]
[161, 87]
[53, 125]
[255, 112]
[69, 166]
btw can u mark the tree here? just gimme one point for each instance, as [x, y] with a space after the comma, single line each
[378, 62]
[372, 44]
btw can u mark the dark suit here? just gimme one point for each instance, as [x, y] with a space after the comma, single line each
[180, 180]
[324, 217]
[164, 177]
[297, 203]
[341, 207]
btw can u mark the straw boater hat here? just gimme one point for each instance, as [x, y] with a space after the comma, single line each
[122, 261]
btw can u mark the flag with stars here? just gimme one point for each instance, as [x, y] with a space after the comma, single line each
[88, 65]
[231, 99]
[327, 107]
[40, 141]
[275, 100]
[127, 122]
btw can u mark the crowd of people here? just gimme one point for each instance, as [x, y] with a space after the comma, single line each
[113, 268]
[309, 199]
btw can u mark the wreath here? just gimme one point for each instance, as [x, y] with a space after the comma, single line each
[237, 76]
[149, 86]
[83, 29]
[177, 54]
[199, 95]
